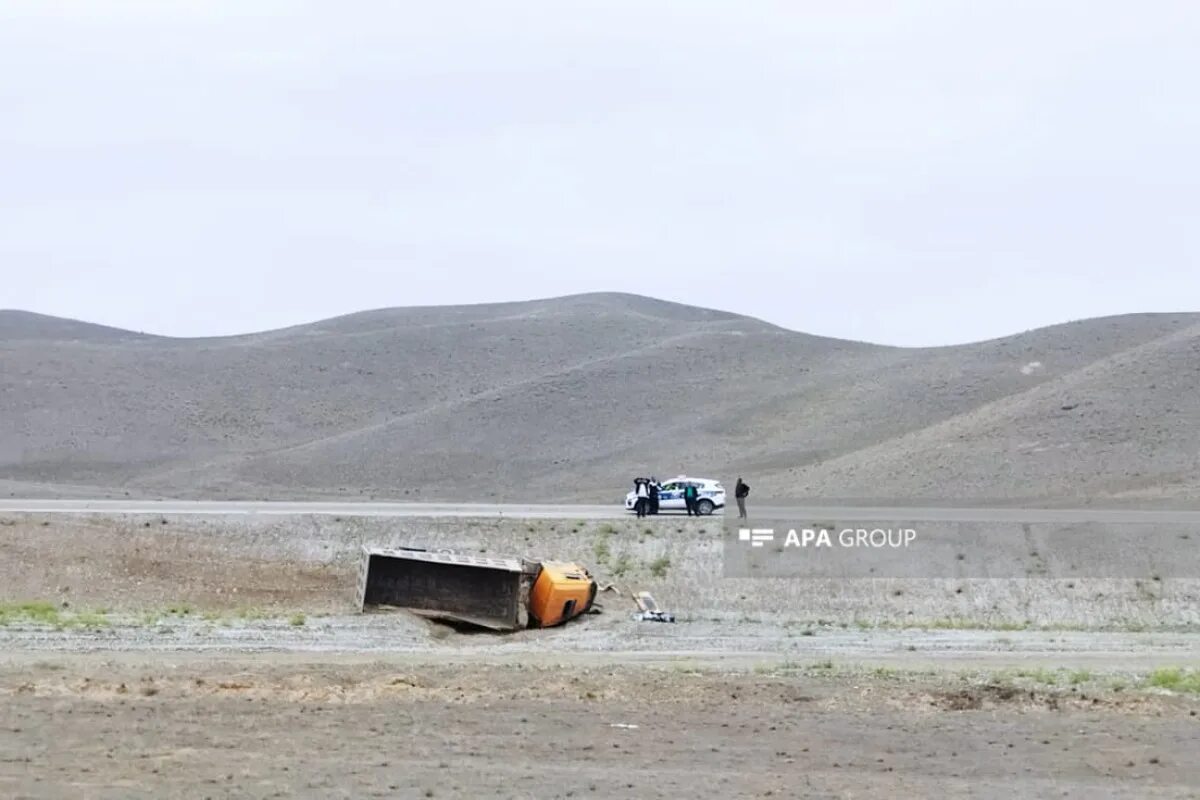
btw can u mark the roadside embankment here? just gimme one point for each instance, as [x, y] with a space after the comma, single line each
[307, 564]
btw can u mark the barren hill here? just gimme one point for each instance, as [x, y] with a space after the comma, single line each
[567, 398]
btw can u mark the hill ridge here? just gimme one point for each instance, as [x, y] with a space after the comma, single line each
[634, 304]
[565, 398]
[1044, 390]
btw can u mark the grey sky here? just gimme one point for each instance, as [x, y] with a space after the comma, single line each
[910, 172]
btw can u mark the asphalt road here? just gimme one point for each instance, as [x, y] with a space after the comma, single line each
[798, 514]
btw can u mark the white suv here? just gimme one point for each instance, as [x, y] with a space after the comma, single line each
[710, 495]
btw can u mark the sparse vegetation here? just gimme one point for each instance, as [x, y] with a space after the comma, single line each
[42, 612]
[960, 624]
[87, 619]
[601, 550]
[1175, 679]
[623, 565]
[1045, 677]
[39, 612]
[297, 620]
[659, 566]
[250, 613]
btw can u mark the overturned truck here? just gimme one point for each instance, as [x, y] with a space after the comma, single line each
[501, 594]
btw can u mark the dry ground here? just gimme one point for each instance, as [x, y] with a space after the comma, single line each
[750, 695]
[308, 564]
[266, 726]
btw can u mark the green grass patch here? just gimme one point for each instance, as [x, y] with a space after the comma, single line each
[601, 549]
[33, 611]
[1046, 677]
[38, 612]
[297, 620]
[87, 619]
[622, 566]
[251, 613]
[659, 566]
[1175, 679]
[960, 624]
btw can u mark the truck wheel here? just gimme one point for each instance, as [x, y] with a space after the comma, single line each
[705, 507]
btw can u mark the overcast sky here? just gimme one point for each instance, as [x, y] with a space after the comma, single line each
[916, 172]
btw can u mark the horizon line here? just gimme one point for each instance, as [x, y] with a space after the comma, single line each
[578, 295]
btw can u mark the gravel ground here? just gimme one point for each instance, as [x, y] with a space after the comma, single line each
[195, 657]
[618, 638]
[318, 726]
[290, 564]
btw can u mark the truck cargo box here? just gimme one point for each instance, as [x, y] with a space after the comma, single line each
[457, 587]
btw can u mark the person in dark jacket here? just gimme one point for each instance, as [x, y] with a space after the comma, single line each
[654, 487]
[690, 495]
[740, 493]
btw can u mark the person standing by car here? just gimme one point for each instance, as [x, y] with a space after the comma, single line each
[654, 487]
[689, 499]
[740, 493]
[642, 489]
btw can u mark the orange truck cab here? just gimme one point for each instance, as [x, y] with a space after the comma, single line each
[563, 590]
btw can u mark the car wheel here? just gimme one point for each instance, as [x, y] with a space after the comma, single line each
[705, 507]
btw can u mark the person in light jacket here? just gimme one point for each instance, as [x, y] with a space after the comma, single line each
[642, 488]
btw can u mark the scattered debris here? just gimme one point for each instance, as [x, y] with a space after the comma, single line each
[648, 610]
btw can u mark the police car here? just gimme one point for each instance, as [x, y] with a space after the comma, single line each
[709, 497]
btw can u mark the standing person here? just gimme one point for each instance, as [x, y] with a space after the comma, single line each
[643, 496]
[654, 487]
[689, 499]
[741, 492]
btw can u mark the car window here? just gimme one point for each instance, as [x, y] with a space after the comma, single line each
[669, 487]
